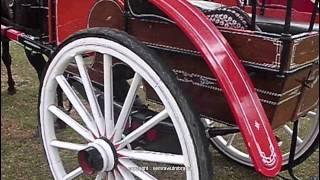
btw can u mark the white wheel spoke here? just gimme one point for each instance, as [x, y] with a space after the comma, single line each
[101, 176]
[73, 174]
[313, 114]
[126, 109]
[117, 175]
[77, 104]
[90, 122]
[71, 122]
[136, 170]
[68, 145]
[108, 94]
[126, 174]
[230, 140]
[152, 156]
[95, 108]
[142, 129]
[110, 176]
[290, 132]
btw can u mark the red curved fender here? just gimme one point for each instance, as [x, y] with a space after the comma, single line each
[234, 80]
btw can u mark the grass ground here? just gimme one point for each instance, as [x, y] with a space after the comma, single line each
[22, 156]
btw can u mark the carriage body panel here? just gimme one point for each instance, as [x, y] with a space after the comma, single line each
[183, 55]
[237, 87]
[260, 54]
[71, 16]
[209, 63]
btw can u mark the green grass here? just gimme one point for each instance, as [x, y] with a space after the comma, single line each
[22, 155]
[21, 152]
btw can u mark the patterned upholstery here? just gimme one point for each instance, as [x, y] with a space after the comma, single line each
[230, 17]
[220, 15]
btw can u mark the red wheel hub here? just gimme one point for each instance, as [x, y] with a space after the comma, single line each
[99, 156]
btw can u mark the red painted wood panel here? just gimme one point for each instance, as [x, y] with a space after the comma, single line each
[300, 5]
[72, 16]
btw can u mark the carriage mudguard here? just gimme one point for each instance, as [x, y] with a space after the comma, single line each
[234, 80]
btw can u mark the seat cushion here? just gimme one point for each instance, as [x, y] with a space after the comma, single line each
[143, 7]
[218, 14]
[277, 25]
[206, 6]
[230, 17]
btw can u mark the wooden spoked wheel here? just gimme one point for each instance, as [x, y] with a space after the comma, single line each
[94, 144]
[307, 141]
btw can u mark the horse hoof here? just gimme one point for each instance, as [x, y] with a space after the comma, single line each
[12, 91]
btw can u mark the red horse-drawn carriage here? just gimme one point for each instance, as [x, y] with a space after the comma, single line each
[148, 83]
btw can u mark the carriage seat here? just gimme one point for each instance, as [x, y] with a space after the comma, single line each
[145, 9]
[277, 25]
[213, 10]
[206, 6]
[265, 24]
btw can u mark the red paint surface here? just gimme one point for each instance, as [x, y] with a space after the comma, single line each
[277, 9]
[152, 135]
[72, 16]
[227, 2]
[281, 14]
[120, 2]
[299, 5]
[232, 77]
[11, 33]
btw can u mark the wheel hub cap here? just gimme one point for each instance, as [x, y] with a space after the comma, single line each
[99, 156]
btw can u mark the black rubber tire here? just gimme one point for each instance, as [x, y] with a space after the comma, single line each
[192, 119]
